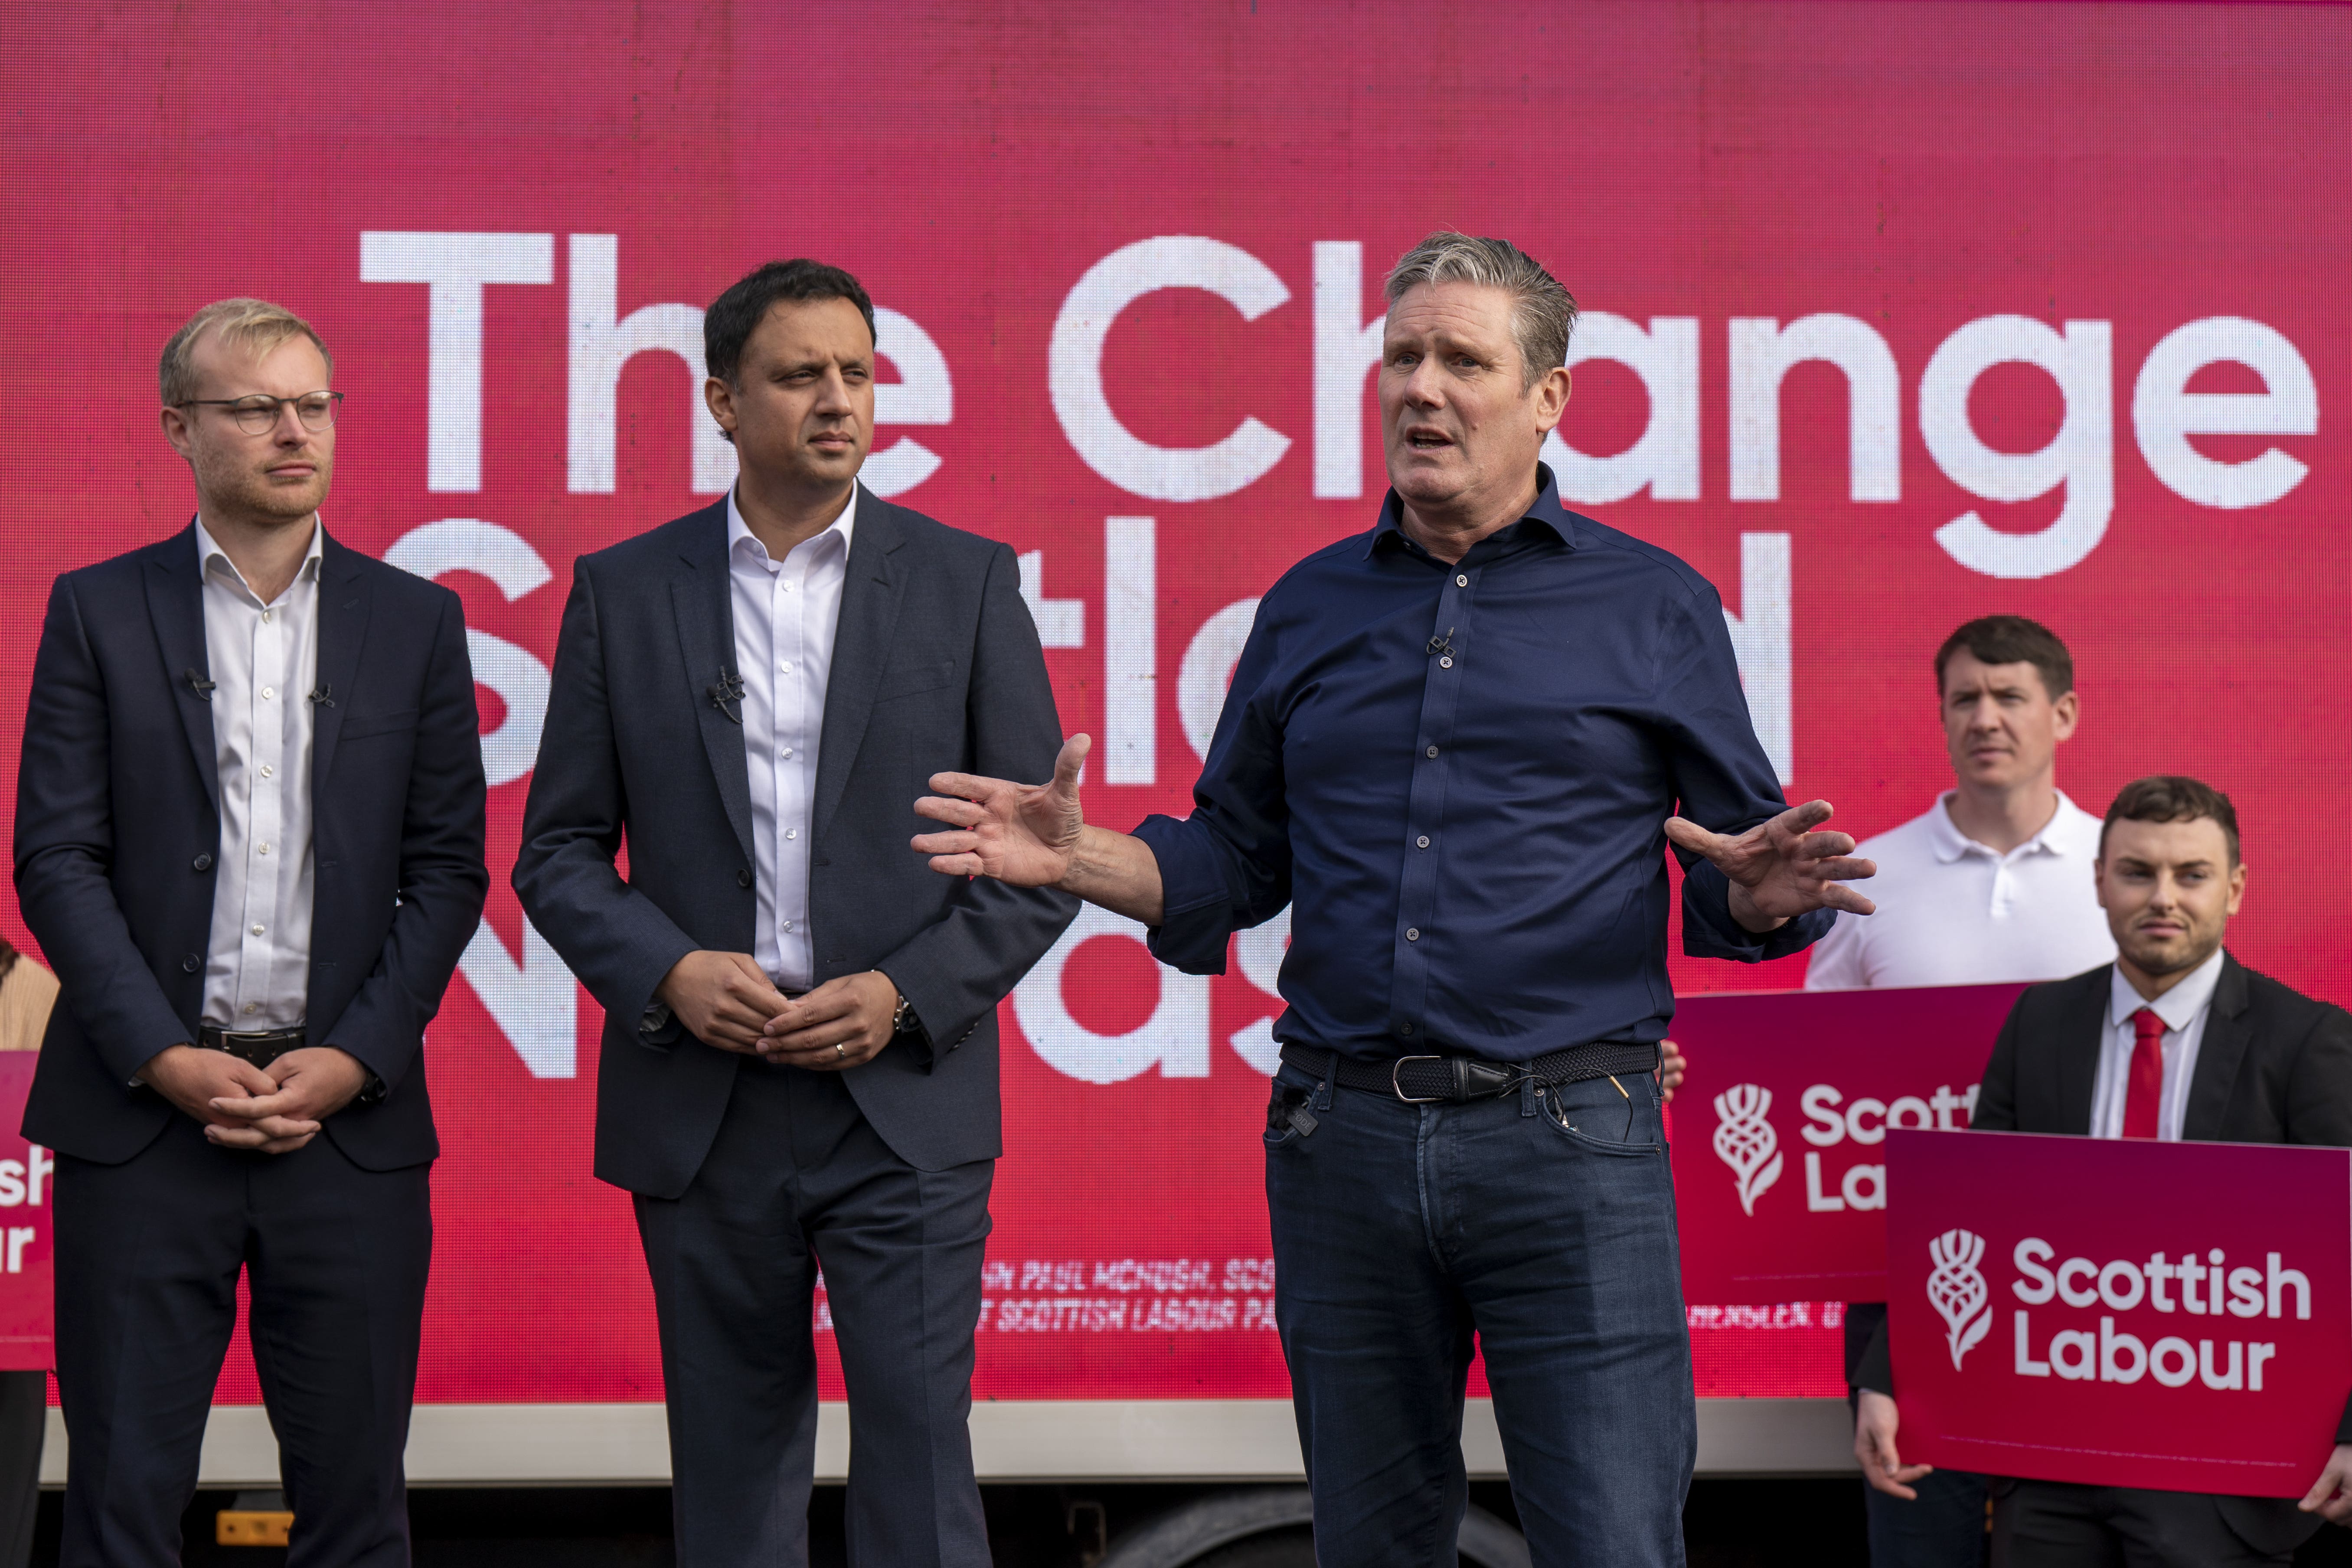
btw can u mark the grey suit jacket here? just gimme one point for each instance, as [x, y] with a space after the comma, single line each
[936, 666]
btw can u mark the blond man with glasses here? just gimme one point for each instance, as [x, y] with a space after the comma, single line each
[249, 840]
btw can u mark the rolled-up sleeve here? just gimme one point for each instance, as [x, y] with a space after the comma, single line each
[1226, 868]
[1723, 780]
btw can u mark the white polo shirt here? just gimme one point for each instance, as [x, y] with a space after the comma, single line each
[1952, 911]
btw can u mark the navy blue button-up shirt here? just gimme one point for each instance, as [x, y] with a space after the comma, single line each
[1458, 777]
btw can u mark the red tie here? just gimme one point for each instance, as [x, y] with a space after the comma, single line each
[2146, 1094]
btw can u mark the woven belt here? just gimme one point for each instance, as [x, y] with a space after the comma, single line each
[260, 1047]
[1427, 1079]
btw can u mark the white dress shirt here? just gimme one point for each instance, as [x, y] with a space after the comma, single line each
[785, 614]
[2183, 1009]
[1952, 911]
[264, 663]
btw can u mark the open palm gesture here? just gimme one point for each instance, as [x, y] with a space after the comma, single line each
[1020, 834]
[1781, 869]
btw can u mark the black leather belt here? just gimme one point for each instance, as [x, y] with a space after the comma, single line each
[259, 1047]
[1428, 1079]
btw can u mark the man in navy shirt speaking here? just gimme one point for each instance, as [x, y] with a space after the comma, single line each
[1457, 744]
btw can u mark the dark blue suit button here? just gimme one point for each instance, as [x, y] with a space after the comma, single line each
[743, 878]
[192, 963]
[202, 862]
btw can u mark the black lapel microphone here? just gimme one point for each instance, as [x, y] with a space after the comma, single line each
[726, 694]
[1442, 644]
[324, 696]
[197, 683]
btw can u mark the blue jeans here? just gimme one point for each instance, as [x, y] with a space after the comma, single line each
[1544, 1223]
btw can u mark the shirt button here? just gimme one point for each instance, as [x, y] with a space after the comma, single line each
[1404, 1028]
[269, 691]
[252, 1007]
[267, 772]
[786, 667]
[788, 925]
[791, 832]
[1433, 751]
[1412, 933]
[257, 929]
[1423, 841]
[788, 751]
[1446, 662]
[265, 849]
[1462, 581]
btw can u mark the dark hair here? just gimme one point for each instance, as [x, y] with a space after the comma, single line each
[2012, 640]
[2170, 797]
[732, 317]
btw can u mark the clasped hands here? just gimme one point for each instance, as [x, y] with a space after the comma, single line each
[725, 1000]
[275, 1109]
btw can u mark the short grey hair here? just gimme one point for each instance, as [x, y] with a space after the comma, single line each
[1543, 314]
[254, 325]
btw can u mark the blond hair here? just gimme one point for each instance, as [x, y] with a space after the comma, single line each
[254, 325]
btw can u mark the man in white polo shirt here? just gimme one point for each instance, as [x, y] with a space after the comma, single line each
[1991, 883]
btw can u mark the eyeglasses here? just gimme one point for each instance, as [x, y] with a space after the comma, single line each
[258, 415]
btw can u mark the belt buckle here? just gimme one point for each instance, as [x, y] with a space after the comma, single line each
[1397, 1066]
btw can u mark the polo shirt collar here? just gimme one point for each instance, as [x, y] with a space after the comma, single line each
[2059, 835]
[1546, 511]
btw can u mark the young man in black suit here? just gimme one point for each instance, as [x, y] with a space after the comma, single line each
[799, 1042]
[2175, 1039]
[249, 841]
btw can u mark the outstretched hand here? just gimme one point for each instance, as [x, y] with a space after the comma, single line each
[1023, 834]
[1781, 869]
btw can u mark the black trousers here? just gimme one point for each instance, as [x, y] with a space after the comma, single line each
[796, 1177]
[23, 1426]
[147, 1262]
[2056, 1524]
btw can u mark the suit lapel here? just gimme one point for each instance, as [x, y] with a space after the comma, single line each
[345, 597]
[2084, 1030]
[175, 603]
[2229, 1029]
[871, 590]
[706, 642]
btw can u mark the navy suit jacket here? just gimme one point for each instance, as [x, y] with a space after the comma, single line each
[936, 666]
[118, 826]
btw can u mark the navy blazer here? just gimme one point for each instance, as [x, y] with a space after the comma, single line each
[936, 666]
[117, 824]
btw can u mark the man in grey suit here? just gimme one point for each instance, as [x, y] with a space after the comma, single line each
[799, 1059]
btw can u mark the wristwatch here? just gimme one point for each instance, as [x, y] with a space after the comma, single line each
[904, 1022]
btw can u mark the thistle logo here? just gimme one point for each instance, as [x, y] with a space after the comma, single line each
[1745, 1142]
[1956, 1290]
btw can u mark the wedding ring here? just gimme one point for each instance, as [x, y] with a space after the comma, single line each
[841, 1050]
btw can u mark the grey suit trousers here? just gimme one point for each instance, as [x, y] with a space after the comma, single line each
[797, 1180]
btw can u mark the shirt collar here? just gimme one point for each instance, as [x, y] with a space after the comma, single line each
[2060, 836]
[2178, 1007]
[213, 558]
[1546, 511]
[741, 539]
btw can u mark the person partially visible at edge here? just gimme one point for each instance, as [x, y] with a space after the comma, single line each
[800, 1022]
[27, 992]
[1456, 744]
[249, 836]
[2175, 1039]
[1990, 884]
